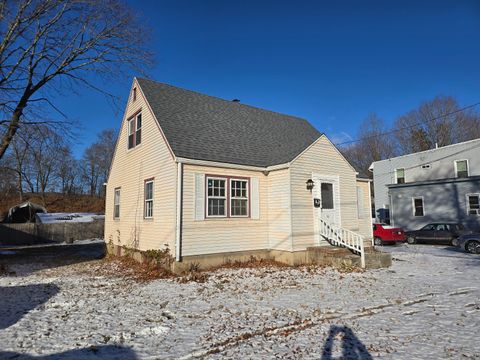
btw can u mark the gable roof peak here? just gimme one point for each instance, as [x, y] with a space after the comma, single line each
[204, 127]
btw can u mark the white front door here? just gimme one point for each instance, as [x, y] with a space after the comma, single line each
[327, 190]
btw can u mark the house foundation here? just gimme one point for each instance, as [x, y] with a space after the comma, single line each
[320, 255]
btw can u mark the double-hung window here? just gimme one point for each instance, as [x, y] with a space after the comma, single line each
[238, 197]
[138, 129]
[135, 131]
[473, 204]
[148, 209]
[217, 197]
[418, 206]
[461, 168]
[116, 204]
[400, 176]
[227, 197]
[131, 133]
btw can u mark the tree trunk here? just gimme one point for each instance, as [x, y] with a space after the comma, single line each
[14, 122]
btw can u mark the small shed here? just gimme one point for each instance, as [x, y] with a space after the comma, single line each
[24, 212]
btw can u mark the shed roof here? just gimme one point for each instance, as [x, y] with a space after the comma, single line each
[203, 127]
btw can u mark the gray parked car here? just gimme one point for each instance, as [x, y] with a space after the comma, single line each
[468, 242]
[437, 232]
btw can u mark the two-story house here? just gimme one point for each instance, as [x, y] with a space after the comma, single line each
[435, 185]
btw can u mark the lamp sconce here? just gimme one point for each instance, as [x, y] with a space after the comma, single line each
[310, 184]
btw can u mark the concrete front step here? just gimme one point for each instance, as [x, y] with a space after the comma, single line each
[341, 257]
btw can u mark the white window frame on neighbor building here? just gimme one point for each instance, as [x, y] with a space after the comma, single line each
[414, 207]
[134, 130]
[116, 203]
[396, 177]
[245, 198]
[148, 201]
[477, 210]
[219, 197]
[456, 167]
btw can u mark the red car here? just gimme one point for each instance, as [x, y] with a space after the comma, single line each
[383, 234]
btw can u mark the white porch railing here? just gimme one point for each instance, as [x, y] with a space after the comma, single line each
[343, 237]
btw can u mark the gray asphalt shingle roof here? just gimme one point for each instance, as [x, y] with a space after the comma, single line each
[203, 127]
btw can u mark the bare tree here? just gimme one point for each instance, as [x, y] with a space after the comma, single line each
[374, 144]
[7, 179]
[439, 121]
[96, 161]
[48, 47]
[68, 173]
[20, 156]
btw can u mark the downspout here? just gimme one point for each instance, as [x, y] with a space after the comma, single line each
[178, 230]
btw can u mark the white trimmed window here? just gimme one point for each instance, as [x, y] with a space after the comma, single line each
[400, 176]
[238, 198]
[131, 133]
[216, 197]
[138, 130]
[148, 210]
[461, 168]
[135, 131]
[473, 204]
[418, 206]
[116, 204]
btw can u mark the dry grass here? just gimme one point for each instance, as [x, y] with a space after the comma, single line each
[126, 267]
[5, 271]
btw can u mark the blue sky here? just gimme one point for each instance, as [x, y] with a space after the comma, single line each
[331, 62]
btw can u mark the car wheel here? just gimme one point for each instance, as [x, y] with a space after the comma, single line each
[473, 247]
[377, 241]
[411, 240]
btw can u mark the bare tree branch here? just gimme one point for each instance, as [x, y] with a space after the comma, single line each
[48, 44]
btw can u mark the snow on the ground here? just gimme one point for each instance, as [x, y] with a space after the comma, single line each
[426, 306]
[52, 218]
[47, 245]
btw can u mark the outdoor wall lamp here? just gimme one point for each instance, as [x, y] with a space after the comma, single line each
[310, 184]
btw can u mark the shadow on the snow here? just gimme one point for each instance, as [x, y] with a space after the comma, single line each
[352, 347]
[29, 259]
[109, 352]
[16, 301]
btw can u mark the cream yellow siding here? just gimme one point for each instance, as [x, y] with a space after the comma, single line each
[217, 235]
[279, 211]
[130, 168]
[365, 216]
[324, 159]
[281, 208]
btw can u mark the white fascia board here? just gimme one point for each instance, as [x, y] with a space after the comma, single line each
[230, 166]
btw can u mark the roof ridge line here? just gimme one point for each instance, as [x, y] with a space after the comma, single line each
[227, 101]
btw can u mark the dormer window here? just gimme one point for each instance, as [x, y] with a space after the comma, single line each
[135, 131]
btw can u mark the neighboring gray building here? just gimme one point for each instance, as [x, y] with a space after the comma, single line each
[438, 185]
